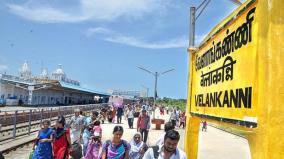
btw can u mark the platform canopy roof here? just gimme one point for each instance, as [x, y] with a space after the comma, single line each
[43, 83]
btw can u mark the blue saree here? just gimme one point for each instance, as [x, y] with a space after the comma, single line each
[44, 149]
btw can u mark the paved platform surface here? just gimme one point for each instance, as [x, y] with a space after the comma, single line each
[218, 144]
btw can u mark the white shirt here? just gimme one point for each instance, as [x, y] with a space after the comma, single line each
[173, 116]
[130, 114]
[76, 124]
[179, 154]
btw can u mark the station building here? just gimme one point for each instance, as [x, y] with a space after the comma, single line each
[56, 89]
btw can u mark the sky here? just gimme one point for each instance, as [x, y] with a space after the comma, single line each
[101, 43]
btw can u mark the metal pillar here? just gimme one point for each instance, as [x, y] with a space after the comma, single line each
[156, 74]
[155, 92]
[50, 114]
[30, 97]
[30, 121]
[192, 27]
[30, 89]
[59, 111]
[147, 93]
[1, 88]
[15, 124]
[41, 115]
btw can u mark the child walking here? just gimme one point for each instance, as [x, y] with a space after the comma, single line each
[94, 148]
[95, 145]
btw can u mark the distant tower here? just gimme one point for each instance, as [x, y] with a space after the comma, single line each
[59, 74]
[25, 71]
[44, 73]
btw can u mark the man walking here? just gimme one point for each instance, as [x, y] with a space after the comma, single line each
[173, 117]
[143, 125]
[150, 109]
[119, 114]
[130, 117]
[168, 150]
[77, 126]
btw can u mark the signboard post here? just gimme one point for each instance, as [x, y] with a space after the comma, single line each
[30, 89]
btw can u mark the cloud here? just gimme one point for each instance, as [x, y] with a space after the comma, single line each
[98, 30]
[41, 14]
[114, 37]
[131, 41]
[104, 10]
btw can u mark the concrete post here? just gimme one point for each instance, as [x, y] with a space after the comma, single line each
[15, 124]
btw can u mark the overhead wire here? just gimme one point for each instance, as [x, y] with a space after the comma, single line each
[208, 1]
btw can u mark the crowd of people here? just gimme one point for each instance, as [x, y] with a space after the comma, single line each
[81, 137]
[178, 118]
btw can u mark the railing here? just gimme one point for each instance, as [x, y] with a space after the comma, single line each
[23, 122]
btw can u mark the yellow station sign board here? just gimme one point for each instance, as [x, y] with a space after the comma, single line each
[224, 70]
[237, 74]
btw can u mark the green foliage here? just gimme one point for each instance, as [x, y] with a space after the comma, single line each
[180, 103]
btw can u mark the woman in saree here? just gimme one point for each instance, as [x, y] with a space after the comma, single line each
[43, 143]
[137, 147]
[116, 148]
[61, 140]
[94, 147]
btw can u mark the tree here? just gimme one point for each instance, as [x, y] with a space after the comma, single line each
[179, 103]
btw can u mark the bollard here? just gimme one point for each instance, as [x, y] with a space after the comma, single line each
[15, 124]
[30, 121]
